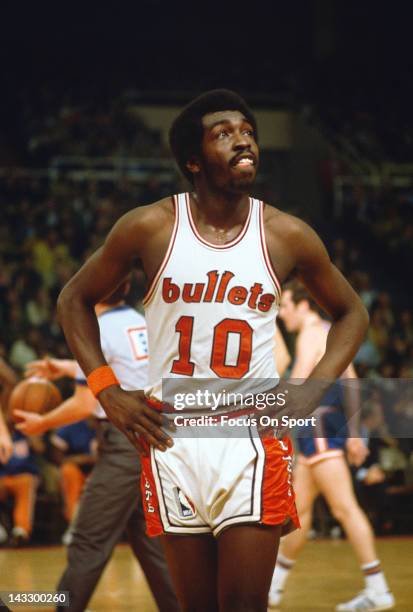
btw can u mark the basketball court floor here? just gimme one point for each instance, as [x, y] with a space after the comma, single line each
[325, 574]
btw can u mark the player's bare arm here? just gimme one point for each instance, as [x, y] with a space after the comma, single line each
[6, 444]
[143, 234]
[8, 379]
[8, 376]
[76, 408]
[357, 450]
[309, 349]
[281, 354]
[295, 249]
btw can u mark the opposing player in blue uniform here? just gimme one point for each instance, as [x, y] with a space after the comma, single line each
[322, 467]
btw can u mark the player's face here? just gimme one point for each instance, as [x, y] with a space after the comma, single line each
[230, 153]
[289, 312]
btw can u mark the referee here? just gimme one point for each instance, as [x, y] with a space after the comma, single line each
[111, 500]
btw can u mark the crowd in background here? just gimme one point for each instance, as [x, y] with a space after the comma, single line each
[51, 225]
[53, 124]
[364, 131]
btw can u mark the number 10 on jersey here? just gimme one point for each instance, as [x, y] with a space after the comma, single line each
[219, 347]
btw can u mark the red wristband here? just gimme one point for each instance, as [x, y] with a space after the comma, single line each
[100, 378]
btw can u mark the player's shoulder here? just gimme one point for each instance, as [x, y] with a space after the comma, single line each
[150, 215]
[131, 232]
[157, 211]
[293, 235]
[276, 220]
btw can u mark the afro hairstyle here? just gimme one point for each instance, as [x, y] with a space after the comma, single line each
[185, 134]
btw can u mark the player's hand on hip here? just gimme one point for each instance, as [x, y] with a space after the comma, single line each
[293, 403]
[6, 446]
[31, 423]
[130, 412]
[357, 451]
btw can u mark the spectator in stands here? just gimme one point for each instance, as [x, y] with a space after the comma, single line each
[406, 370]
[26, 348]
[38, 308]
[405, 326]
[370, 478]
[396, 350]
[26, 280]
[378, 332]
[384, 306]
[366, 292]
[46, 252]
[19, 481]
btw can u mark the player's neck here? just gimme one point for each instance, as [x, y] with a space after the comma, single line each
[217, 208]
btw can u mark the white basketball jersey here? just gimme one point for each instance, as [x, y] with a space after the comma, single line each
[211, 309]
[124, 344]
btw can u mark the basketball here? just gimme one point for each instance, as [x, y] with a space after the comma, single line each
[34, 395]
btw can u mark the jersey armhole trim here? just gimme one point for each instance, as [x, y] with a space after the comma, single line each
[264, 247]
[154, 283]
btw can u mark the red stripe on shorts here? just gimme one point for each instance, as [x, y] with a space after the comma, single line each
[278, 499]
[150, 499]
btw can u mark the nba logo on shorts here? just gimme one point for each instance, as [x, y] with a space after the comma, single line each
[186, 508]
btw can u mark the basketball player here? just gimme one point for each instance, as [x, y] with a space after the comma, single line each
[6, 450]
[110, 502]
[215, 259]
[6, 444]
[281, 353]
[321, 466]
[8, 379]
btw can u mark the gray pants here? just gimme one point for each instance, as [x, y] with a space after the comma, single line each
[110, 503]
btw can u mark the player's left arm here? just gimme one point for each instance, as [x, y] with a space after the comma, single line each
[8, 376]
[306, 257]
[357, 450]
[335, 296]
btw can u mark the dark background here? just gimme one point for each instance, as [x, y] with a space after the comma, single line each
[317, 50]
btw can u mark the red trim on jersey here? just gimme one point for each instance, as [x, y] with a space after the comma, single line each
[278, 499]
[156, 404]
[150, 499]
[265, 250]
[154, 283]
[220, 247]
